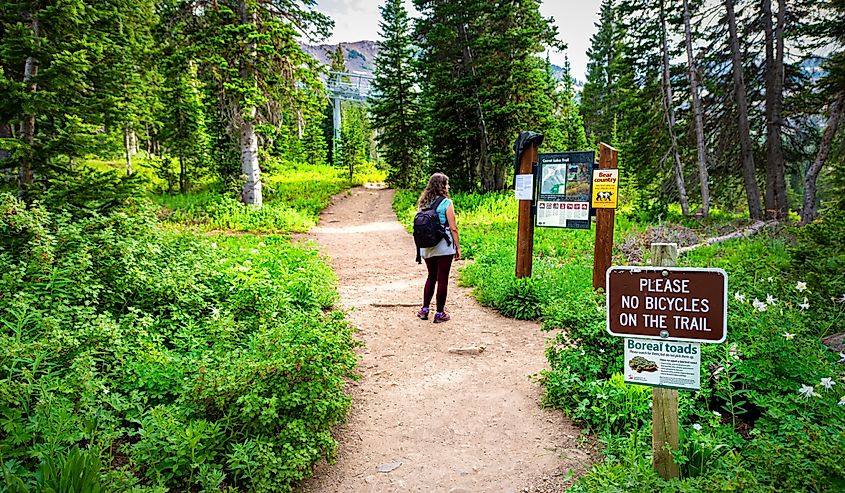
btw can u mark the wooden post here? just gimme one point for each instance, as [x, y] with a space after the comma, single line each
[664, 417]
[602, 255]
[525, 224]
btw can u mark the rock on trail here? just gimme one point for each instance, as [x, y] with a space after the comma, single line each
[425, 419]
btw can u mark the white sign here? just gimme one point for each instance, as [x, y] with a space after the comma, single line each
[524, 187]
[560, 214]
[671, 364]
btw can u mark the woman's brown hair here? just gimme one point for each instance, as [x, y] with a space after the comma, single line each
[436, 188]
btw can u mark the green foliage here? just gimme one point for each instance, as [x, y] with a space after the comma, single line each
[468, 48]
[396, 111]
[749, 428]
[521, 299]
[819, 257]
[295, 196]
[188, 362]
[76, 471]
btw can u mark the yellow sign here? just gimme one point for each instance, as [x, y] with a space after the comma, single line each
[605, 188]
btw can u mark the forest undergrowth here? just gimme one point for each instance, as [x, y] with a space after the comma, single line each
[139, 355]
[770, 415]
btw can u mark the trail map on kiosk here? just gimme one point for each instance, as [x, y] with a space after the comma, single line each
[565, 181]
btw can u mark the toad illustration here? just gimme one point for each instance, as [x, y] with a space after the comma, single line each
[641, 364]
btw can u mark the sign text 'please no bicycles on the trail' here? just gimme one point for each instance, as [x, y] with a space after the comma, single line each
[668, 303]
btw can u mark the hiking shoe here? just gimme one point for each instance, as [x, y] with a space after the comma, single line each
[423, 313]
[441, 317]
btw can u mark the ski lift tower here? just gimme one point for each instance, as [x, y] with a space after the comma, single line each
[344, 86]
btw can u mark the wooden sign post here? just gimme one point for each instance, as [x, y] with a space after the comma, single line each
[602, 255]
[525, 224]
[664, 314]
[664, 411]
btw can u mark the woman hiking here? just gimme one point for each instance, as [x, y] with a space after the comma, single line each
[438, 259]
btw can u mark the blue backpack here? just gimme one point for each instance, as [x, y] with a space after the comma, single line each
[428, 230]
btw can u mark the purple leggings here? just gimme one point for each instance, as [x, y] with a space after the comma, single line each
[438, 273]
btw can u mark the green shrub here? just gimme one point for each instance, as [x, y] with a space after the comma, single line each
[174, 355]
[749, 428]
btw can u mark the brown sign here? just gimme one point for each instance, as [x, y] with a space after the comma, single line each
[669, 303]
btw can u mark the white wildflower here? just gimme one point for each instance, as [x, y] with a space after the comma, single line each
[841, 357]
[801, 286]
[788, 336]
[717, 414]
[804, 305]
[739, 297]
[771, 299]
[759, 305]
[842, 401]
[697, 426]
[106, 390]
[733, 351]
[215, 313]
[827, 383]
[807, 391]
[841, 299]
[770, 279]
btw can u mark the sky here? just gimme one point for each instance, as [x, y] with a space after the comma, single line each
[356, 20]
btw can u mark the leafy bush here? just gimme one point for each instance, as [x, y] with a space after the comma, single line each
[294, 197]
[177, 361]
[769, 416]
[820, 257]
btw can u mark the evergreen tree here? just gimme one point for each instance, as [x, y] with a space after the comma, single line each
[395, 108]
[482, 83]
[68, 74]
[250, 49]
[574, 135]
[600, 96]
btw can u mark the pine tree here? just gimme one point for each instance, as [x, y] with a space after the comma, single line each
[482, 83]
[249, 49]
[66, 77]
[395, 108]
[574, 134]
[600, 96]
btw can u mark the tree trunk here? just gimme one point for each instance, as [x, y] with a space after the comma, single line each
[776, 202]
[808, 211]
[749, 175]
[488, 179]
[669, 111]
[183, 174]
[127, 147]
[248, 140]
[30, 71]
[699, 116]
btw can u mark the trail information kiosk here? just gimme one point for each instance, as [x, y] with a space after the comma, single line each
[564, 185]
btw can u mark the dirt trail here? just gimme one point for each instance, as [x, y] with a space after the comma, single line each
[451, 423]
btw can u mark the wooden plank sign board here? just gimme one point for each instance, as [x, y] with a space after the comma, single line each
[668, 303]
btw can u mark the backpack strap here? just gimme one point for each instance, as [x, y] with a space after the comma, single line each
[435, 205]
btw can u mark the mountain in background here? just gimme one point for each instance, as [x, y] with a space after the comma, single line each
[360, 57]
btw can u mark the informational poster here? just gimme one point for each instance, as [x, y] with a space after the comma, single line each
[565, 183]
[671, 364]
[524, 187]
[605, 188]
